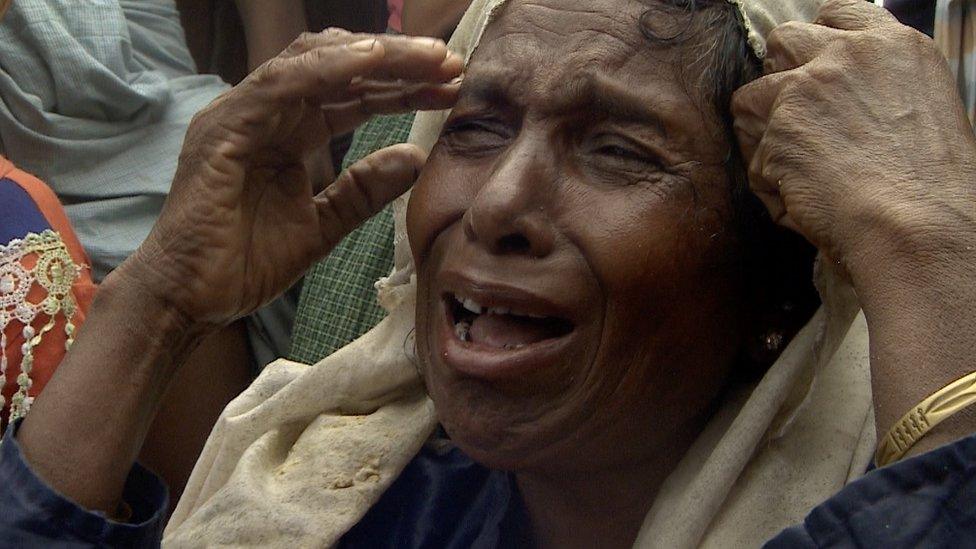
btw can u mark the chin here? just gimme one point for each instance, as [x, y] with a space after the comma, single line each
[502, 430]
[492, 441]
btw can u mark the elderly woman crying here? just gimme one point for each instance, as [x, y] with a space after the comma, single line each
[598, 288]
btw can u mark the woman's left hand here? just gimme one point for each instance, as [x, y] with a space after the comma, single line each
[857, 139]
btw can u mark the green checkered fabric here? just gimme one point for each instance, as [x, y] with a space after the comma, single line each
[338, 301]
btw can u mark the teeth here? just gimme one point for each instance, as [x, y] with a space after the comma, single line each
[472, 306]
[462, 329]
[476, 308]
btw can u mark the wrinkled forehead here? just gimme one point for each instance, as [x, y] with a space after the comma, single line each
[581, 57]
[567, 24]
[543, 44]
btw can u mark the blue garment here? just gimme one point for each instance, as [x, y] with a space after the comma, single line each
[443, 499]
[914, 13]
[19, 214]
[34, 515]
[928, 501]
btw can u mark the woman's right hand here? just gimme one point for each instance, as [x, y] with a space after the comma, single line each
[241, 223]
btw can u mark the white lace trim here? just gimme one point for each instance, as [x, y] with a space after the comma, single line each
[55, 272]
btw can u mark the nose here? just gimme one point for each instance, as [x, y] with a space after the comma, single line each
[510, 215]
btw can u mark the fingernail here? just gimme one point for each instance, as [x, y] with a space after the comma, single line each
[456, 81]
[363, 45]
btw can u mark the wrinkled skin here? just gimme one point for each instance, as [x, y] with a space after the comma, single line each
[520, 196]
[240, 225]
[875, 163]
[617, 215]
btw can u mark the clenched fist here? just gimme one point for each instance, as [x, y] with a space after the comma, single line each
[857, 139]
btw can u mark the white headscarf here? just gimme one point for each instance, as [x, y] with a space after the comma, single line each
[302, 455]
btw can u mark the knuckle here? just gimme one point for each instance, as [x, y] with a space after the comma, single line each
[743, 99]
[334, 32]
[267, 74]
[781, 35]
[870, 42]
[824, 72]
[915, 39]
[301, 44]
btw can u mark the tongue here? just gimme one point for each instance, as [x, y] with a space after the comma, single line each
[509, 331]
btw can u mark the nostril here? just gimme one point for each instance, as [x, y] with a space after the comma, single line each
[513, 243]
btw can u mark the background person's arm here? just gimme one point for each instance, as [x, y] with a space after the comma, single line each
[269, 26]
[432, 17]
[859, 141]
[240, 225]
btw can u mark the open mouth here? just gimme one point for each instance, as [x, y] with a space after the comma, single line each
[501, 327]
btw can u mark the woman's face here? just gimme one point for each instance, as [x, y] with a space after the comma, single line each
[578, 200]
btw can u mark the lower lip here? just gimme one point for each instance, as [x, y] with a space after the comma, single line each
[494, 364]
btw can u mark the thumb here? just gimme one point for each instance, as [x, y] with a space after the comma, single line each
[361, 191]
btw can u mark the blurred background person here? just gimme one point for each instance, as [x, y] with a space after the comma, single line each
[436, 18]
[95, 99]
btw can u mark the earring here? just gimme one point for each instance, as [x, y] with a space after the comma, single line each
[772, 341]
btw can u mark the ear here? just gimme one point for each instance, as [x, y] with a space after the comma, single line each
[771, 333]
[783, 298]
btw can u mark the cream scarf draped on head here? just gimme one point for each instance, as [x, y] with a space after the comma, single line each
[299, 457]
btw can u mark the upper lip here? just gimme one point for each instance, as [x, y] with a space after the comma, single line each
[496, 294]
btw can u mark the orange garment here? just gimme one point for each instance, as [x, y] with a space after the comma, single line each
[49, 350]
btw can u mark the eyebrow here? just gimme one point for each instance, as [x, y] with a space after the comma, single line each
[588, 91]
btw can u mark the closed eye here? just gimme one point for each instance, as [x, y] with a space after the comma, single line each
[474, 136]
[616, 149]
[626, 153]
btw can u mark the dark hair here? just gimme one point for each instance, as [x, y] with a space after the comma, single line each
[776, 263]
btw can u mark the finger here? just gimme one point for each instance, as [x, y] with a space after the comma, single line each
[853, 15]
[325, 73]
[347, 116]
[419, 59]
[759, 97]
[794, 44]
[416, 58]
[771, 185]
[332, 36]
[364, 189]
[766, 189]
[369, 87]
[752, 106]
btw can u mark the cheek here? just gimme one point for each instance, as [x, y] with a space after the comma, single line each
[440, 197]
[669, 300]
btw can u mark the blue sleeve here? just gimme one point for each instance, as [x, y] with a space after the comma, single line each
[926, 501]
[34, 515]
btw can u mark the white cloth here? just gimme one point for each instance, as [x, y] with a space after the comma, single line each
[301, 456]
[955, 36]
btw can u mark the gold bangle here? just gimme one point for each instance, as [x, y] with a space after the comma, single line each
[924, 417]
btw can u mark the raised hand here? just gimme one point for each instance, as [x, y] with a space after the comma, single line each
[241, 223]
[857, 138]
